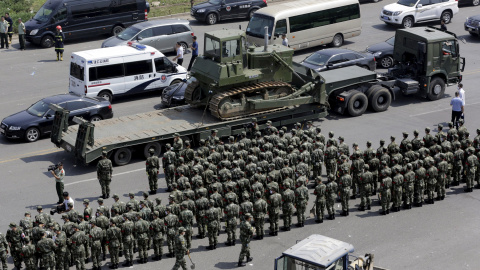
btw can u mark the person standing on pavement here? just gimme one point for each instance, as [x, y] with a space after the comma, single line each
[285, 40]
[104, 174]
[21, 34]
[194, 48]
[457, 108]
[179, 56]
[10, 27]
[59, 174]
[59, 47]
[461, 95]
[246, 233]
[3, 33]
[443, 27]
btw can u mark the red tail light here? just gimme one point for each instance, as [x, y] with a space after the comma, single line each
[110, 106]
[374, 59]
[86, 89]
[265, 1]
[193, 34]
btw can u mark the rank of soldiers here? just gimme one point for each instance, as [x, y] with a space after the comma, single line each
[263, 173]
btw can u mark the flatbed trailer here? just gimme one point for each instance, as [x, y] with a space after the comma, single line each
[152, 130]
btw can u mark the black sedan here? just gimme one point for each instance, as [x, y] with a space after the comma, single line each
[37, 120]
[337, 58]
[383, 52]
[469, 2]
[174, 95]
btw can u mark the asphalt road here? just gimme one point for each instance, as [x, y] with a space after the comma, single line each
[440, 236]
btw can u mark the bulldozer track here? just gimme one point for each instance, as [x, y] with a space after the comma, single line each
[189, 91]
[216, 99]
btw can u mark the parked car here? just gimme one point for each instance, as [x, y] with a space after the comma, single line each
[160, 34]
[37, 120]
[383, 52]
[213, 11]
[409, 12]
[336, 58]
[174, 95]
[472, 25]
[469, 2]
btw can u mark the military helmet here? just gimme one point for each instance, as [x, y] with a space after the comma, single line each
[405, 133]
[369, 143]
[331, 134]
[100, 200]
[131, 194]
[461, 121]
[331, 177]
[340, 138]
[382, 141]
[415, 132]
[168, 146]
[87, 201]
[12, 225]
[440, 126]
[366, 167]
[39, 207]
[247, 216]
[184, 204]
[70, 204]
[176, 135]
[115, 196]
[355, 144]
[286, 185]
[409, 166]
[181, 229]
[26, 239]
[427, 129]
[104, 153]
[392, 137]
[28, 213]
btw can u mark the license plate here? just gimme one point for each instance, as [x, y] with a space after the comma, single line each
[386, 18]
[2, 130]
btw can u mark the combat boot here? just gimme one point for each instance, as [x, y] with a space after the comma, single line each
[215, 246]
[112, 266]
[369, 207]
[388, 211]
[317, 221]
[210, 247]
[151, 192]
[145, 260]
[298, 225]
[249, 259]
[87, 260]
[348, 212]
[353, 197]
[234, 242]
[394, 209]
[288, 229]
[228, 243]
[344, 213]
[271, 233]
[241, 263]
[361, 208]
[140, 261]
[61, 56]
[384, 212]
[127, 263]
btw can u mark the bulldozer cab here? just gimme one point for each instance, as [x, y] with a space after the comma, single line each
[225, 46]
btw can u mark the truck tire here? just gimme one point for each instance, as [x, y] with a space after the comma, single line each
[122, 156]
[357, 104]
[437, 89]
[153, 145]
[380, 100]
[372, 90]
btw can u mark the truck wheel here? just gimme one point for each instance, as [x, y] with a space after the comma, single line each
[153, 145]
[357, 104]
[407, 22]
[122, 156]
[212, 18]
[106, 95]
[337, 40]
[47, 41]
[447, 17]
[380, 100]
[437, 89]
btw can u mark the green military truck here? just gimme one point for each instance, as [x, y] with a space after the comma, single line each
[231, 83]
[320, 252]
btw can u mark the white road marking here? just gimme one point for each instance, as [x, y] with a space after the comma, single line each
[92, 179]
[441, 110]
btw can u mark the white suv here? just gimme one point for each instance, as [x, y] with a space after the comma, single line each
[409, 12]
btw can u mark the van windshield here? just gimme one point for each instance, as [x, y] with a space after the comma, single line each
[257, 24]
[76, 71]
[45, 12]
[408, 3]
[128, 33]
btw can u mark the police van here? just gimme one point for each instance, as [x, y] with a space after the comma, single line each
[122, 70]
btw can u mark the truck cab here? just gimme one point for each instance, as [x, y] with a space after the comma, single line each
[320, 252]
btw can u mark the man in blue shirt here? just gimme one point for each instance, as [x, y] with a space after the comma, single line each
[194, 48]
[457, 109]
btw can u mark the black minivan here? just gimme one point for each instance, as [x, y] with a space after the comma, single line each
[81, 19]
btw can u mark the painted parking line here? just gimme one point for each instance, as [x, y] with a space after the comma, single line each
[32, 154]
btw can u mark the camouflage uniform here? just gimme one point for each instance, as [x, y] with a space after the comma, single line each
[78, 248]
[104, 174]
[46, 247]
[288, 201]
[142, 228]
[180, 250]
[365, 181]
[385, 191]
[152, 166]
[14, 239]
[168, 162]
[274, 203]
[331, 194]
[4, 251]
[320, 200]
[27, 254]
[171, 221]
[431, 179]
[246, 233]
[470, 169]
[409, 186]
[259, 212]
[61, 250]
[397, 183]
[442, 177]
[186, 220]
[212, 217]
[231, 211]
[419, 187]
[96, 238]
[301, 200]
[158, 228]
[344, 185]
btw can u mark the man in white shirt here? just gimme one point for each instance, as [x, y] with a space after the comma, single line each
[179, 56]
[285, 40]
[461, 95]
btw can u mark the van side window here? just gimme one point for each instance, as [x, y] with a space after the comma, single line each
[160, 65]
[123, 6]
[138, 67]
[280, 27]
[162, 30]
[147, 33]
[179, 28]
[111, 71]
[61, 15]
[86, 11]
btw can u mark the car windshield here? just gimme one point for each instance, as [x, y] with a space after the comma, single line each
[128, 33]
[408, 3]
[257, 24]
[215, 2]
[44, 12]
[38, 109]
[391, 41]
[317, 59]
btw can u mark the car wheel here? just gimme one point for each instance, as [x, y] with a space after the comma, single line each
[212, 18]
[337, 40]
[184, 46]
[407, 22]
[250, 14]
[447, 17]
[475, 2]
[357, 104]
[32, 134]
[47, 41]
[96, 118]
[437, 89]
[386, 62]
[116, 30]
[122, 156]
[106, 95]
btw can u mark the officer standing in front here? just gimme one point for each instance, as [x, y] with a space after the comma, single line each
[3, 33]
[104, 174]
[246, 233]
[153, 167]
[59, 174]
[59, 47]
[180, 250]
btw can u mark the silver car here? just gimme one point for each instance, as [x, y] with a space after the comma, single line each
[160, 34]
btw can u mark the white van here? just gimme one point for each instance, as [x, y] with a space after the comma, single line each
[306, 23]
[122, 70]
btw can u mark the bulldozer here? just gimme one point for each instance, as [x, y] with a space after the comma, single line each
[234, 80]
